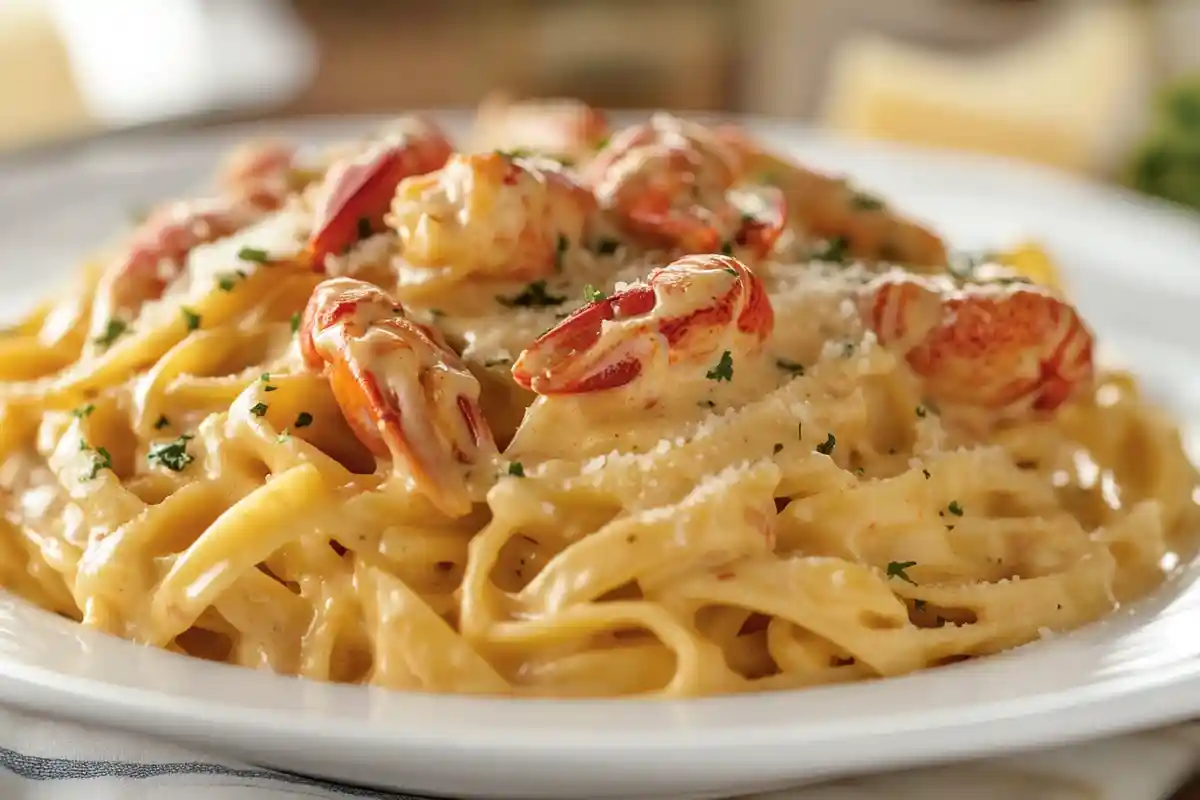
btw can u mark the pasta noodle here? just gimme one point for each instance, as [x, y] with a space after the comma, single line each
[655, 413]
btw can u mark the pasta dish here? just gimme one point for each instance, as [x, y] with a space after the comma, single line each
[564, 411]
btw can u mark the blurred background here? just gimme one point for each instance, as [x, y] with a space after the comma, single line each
[1106, 88]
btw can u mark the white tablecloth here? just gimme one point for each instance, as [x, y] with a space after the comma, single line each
[41, 759]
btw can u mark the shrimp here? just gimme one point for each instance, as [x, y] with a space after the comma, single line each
[1007, 348]
[401, 388]
[254, 182]
[261, 172]
[684, 313]
[356, 192]
[157, 254]
[492, 215]
[825, 207]
[565, 130]
[674, 184]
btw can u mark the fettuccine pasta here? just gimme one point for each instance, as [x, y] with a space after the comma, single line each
[565, 412]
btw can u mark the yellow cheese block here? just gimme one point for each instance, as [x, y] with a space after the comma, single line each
[1073, 96]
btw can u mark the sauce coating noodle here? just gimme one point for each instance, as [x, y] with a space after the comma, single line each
[454, 422]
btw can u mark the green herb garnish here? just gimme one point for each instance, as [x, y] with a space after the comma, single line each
[826, 447]
[303, 419]
[254, 254]
[295, 321]
[591, 294]
[833, 251]
[83, 411]
[226, 282]
[723, 371]
[516, 469]
[896, 569]
[258, 409]
[113, 330]
[191, 319]
[162, 422]
[172, 455]
[101, 460]
[534, 296]
[954, 508]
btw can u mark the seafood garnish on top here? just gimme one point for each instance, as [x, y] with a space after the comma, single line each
[402, 390]
[565, 130]
[674, 184]
[156, 252]
[1006, 349]
[822, 207]
[491, 215]
[688, 313]
[357, 191]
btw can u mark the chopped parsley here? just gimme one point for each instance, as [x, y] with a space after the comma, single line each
[303, 419]
[591, 294]
[534, 296]
[265, 377]
[826, 447]
[778, 448]
[113, 330]
[726, 248]
[723, 371]
[226, 282]
[789, 366]
[559, 251]
[83, 411]
[295, 321]
[602, 143]
[731, 271]
[954, 508]
[101, 460]
[607, 246]
[833, 251]
[516, 469]
[866, 202]
[925, 472]
[922, 411]
[365, 231]
[896, 569]
[258, 409]
[191, 319]
[254, 254]
[162, 422]
[172, 455]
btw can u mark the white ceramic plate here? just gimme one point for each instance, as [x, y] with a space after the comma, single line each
[1135, 270]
